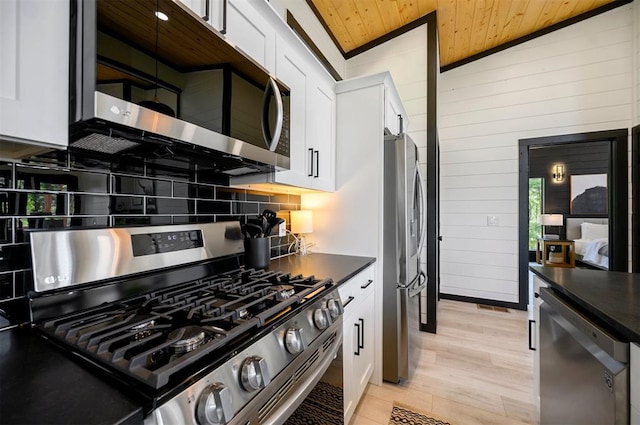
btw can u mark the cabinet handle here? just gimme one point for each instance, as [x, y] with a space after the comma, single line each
[366, 285]
[317, 173]
[531, 347]
[207, 10]
[310, 162]
[224, 17]
[348, 301]
[361, 330]
[357, 352]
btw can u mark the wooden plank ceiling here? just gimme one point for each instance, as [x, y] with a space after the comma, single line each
[465, 27]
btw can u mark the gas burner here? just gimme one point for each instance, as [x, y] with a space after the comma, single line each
[143, 330]
[283, 291]
[189, 338]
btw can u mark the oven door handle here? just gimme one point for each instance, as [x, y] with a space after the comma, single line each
[293, 399]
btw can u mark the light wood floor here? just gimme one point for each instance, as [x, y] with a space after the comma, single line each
[477, 369]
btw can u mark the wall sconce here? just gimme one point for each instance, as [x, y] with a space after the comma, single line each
[558, 175]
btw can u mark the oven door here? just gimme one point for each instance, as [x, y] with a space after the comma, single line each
[325, 402]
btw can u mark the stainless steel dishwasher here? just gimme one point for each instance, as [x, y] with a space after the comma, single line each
[584, 370]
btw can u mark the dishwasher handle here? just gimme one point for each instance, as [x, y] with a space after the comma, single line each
[617, 349]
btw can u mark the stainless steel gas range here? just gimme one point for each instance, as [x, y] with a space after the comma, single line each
[170, 313]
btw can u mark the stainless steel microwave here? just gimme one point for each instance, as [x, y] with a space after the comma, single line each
[140, 83]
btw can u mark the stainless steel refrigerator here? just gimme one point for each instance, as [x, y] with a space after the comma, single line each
[404, 238]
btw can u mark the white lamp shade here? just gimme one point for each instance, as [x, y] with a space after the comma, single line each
[301, 221]
[551, 219]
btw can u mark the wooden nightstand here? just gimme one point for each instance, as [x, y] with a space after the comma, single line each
[562, 253]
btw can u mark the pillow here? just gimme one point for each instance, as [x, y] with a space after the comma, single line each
[594, 231]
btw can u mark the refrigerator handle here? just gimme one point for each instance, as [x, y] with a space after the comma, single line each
[423, 208]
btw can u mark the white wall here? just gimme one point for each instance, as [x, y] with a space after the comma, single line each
[577, 79]
[314, 29]
[405, 57]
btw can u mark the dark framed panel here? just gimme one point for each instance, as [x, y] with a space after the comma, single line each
[618, 199]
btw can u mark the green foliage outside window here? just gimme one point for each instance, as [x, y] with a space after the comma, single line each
[535, 209]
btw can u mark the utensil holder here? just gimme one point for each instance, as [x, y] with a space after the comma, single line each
[256, 253]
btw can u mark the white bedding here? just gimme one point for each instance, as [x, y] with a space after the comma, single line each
[594, 251]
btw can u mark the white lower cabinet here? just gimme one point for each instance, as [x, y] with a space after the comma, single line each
[358, 338]
[537, 284]
[634, 383]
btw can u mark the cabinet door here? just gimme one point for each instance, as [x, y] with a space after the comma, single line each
[212, 11]
[321, 134]
[34, 71]
[290, 70]
[349, 377]
[358, 348]
[251, 32]
[537, 301]
[363, 360]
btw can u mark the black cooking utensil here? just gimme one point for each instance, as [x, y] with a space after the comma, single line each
[272, 224]
[269, 214]
[253, 230]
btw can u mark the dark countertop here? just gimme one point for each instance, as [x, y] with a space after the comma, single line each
[612, 297]
[40, 384]
[340, 268]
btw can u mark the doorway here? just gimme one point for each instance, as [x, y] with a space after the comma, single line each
[617, 202]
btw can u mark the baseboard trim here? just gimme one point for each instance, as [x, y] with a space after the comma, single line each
[495, 303]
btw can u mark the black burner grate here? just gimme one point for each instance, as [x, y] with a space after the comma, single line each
[153, 336]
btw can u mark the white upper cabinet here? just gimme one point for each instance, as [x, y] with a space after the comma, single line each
[291, 71]
[34, 72]
[211, 11]
[321, 112]
[251, 32]
[312, 120]
[312, 107]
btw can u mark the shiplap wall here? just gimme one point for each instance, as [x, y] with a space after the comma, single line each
[577, 79]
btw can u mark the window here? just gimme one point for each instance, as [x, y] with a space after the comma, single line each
[535, 209]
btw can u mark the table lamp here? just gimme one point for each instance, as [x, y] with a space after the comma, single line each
[301, 224]
[550, 220]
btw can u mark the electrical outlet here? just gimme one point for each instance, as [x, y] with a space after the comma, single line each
[492, 220]
[282, 229]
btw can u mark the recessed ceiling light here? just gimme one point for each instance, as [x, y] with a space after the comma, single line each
[161, 15]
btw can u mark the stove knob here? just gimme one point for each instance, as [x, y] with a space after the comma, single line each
[334, 305]
[321, 318]
[254, 373]
[214, 405]
[293, 341]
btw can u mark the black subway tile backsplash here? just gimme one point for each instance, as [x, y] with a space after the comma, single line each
[141, 186]
[213, 207]
[6, 286]
[71, 189]
[6, 175]
[170, 206]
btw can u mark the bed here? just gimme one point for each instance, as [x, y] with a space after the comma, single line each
[591, 237]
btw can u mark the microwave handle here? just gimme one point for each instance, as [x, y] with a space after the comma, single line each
[272, 139]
